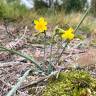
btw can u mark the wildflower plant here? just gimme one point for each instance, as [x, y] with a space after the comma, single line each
[41, 27]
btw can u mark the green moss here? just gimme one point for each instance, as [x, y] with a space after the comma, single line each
[72, 83]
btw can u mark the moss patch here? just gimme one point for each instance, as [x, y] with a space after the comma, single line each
[72, 83]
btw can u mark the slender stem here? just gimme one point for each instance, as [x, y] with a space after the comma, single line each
[82, 19]
[22, 55]
[57, 62]
[51, 47]
[44, 46]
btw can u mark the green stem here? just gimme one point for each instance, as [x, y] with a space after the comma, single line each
[24, 56]
[82, 19]
[44, 46]
[51, 47]
[57, 62]
[51, 44]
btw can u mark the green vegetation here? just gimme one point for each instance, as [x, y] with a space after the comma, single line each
[73, 5]
[11, 10]
[71, 83]
[94, 7]
[67, 5]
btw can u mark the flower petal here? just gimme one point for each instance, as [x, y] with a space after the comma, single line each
[41, 19]
[71, 36]
[36, 22]
[68, 34]
[70, 29]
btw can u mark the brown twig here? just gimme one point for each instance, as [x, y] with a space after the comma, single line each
[39, 80]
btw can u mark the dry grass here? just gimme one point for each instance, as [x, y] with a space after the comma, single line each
[73, 19]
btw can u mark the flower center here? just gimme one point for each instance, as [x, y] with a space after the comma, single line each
[40, 26]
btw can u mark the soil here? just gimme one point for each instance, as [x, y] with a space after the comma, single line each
[12, 68]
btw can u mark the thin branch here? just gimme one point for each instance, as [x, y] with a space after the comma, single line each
[40, 80]
[57, 62]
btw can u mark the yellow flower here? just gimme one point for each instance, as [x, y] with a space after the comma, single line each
[40, 25]
[68, 34]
